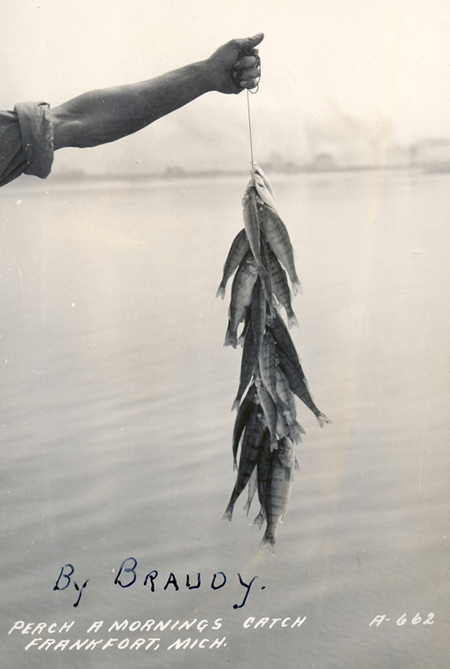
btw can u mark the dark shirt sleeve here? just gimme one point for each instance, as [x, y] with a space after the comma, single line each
[26, 141]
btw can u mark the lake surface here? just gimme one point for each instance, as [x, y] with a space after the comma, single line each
[116, 426]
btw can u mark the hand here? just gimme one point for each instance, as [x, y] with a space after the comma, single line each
[235, 65]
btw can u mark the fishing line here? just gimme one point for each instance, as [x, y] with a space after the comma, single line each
[253, 91]
[250, 127]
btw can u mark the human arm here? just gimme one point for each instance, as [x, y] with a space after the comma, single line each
[107, 115]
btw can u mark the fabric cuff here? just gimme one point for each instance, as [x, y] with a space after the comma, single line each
[37, 136]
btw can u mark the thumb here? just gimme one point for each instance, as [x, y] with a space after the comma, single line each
[251, 42]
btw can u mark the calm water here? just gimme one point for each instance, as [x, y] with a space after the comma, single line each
[116, 426]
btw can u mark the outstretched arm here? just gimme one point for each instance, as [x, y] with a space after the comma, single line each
[106, 115]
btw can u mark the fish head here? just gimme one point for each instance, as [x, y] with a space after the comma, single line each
[262, 185]
[249, 193]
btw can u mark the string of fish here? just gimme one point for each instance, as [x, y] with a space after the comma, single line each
[261, 258]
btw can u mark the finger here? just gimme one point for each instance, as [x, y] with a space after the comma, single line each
[254, 41]
[248, 83]
[246, 62]
[249, 74]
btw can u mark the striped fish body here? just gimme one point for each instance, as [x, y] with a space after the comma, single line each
[249, 456]
[258, 312]
[270, 410]
[278, 237]
[284, 392]
[251, 222]
[253, 230]
[252, 486]
[248, 365]
[284, 341]
[267, 365]
[278, 489]
[236, 254]
[297, 382]
[263, 474]
[241, 295]
[280, 286]
[286, 395]
[246, 410]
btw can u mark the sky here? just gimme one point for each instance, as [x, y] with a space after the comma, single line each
[350, 76]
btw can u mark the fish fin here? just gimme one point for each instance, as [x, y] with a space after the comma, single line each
[268, 543]
[297, 287]
[228, 515]
[221, 291]
[241, 339]
[247, 506]
[295, 435]
[292, 319]
[296, 465]
[296, 432]
[322, 419]
[235, 404]
[260, 518]
[230, 338]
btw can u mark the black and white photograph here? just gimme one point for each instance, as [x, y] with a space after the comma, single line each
[225, 334]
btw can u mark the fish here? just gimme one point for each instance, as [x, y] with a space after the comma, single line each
[266, 428]
[283, 339]
[241, 295]
[246, 410]
[278, 237]
[263, 187]
[270, 410]
[248, 363]
[263, 475]
[267, 365]
[290, 413]
[252, 487]
[236, 254]
[280, 286]
[258, 311]
[251, 445]
[299, 386]
[253, 229]
[267, 369]
[277, 489]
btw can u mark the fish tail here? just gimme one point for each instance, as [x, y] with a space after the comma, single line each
[235, 404]
[221, 291]
[268, 542]
[273, 443]
[230, 338]
[322, 419]
[259, 518]
[292, 319]
[297, 286]
[228, 515]
[296, 431]
[247, 506]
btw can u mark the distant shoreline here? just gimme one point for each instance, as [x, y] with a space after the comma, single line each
[178, 174]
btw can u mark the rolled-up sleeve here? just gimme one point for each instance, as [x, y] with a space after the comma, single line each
[26, 141]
